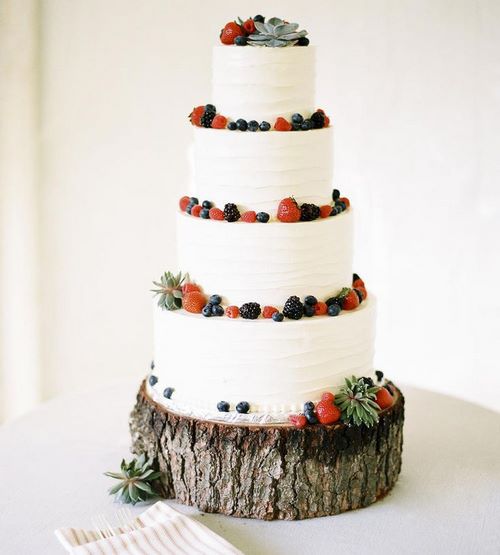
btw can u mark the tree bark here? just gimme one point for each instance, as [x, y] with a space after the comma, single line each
[270, 471]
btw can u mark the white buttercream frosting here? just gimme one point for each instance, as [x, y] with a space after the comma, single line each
[267, 263]
[276, 367]
[257, 170]
[263, 83]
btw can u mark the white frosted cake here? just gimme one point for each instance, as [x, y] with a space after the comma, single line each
[282, 329]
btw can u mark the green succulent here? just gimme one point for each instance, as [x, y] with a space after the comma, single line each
[137, 481]
[276, 33]
[356, 401]
[169, 290]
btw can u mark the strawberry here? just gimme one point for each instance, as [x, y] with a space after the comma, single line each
[268, 311]
[249, 26]
[298, 420]
[230, 32]
[189, 288]
[195, 115]
[219, 122]
[363, 292]
[232, 312]
[250, 217]
[216, 214]
[325, 211]
[327, 412]
[346, 201]
[194, 302]
[320, 308]
[384, 398]
[328, 396]
[288, 210]
[282, 125]
[351, 300]
[183, 202]
[195, 210]
[327, 121]
[358, 282]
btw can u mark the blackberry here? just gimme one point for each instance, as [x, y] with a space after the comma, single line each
[250, 311]
[153, 380]
[378, 373]
[309, 212]
[293, 308]
[207, 118]
[242, 407]
[231, 212]
[223, 406]
[318, 120]
[303, 41]
[167, 392]
[262, 217]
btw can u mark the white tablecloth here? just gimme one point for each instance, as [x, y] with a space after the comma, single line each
[447, 499]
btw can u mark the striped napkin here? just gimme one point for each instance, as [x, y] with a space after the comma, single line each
[161, 530]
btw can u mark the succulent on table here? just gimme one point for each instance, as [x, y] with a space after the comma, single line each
[169, 290]
[356, 401]
[276, 33]
[137, 481]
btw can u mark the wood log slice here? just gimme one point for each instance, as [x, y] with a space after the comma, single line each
[270, 471]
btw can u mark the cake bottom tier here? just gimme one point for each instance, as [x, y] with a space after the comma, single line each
[270, 471]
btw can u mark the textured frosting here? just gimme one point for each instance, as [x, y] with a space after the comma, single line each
[257, 170]
[263, 83]
[267, 263]
[276, 367]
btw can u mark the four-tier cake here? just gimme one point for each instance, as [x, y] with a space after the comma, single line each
[276, 410]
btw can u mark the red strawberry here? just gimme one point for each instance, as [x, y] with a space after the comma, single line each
[250, 217]
[194, 302]
[282, 125]
[195, 210]
[298, 420]
[327, 412]
[219, 122]
[189, 288]
[195, 115]
[232, 312]
[230, 32]
[183, 202]
[216, 214]
[320, 308]
[328, 396]
[249, 26]
[363, 292]
[288, 210]
[384, 398]
[346, 200]
[351, 300]
[325, 211]
[327, 121]
[268, 311]
[358, 282]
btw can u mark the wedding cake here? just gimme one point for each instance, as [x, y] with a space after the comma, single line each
[277, 387]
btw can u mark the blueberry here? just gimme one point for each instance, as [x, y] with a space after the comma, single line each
[210, 108]
[297, 118]
[193, 200]
[253, 125]
[152, 365]
[264, 126]
[296, 126]
[278, 317]
[303, 41]
[311, 417]
[378, 373]
[188, 208]
[335, 194]
[334, 211]
[259, 18]
[207, 310]
[310, 299]
[342, 205]
[232, 126]
[242, 407]
[153, 380]
[217, 310]
[205, 213]
[262, 217]
[306, 125]
[167, 392]
[215, 299]
[334, 310]
[223, 406]
[242, 124]
[206, 204]
[360, 296]
[241, 41]
[309, 310]
[308, 406]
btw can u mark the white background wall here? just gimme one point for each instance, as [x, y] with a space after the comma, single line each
[414, 89]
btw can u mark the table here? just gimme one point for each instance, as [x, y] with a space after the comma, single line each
[447, 499]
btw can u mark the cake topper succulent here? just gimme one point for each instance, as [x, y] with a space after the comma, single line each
[357, 402]
[169, 290]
